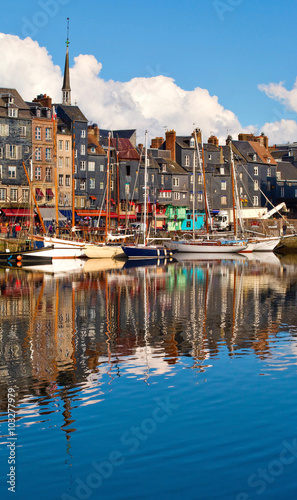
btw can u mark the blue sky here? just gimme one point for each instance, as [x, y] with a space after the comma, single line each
[225, 46]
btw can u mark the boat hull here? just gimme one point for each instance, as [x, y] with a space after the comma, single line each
[208, 247]
[262, 245]
[147, 252]
[102, 251]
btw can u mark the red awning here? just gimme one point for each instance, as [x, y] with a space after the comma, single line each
[97, 213]
[93, 197]
[16, 212]
[49, 192]
[39, 192]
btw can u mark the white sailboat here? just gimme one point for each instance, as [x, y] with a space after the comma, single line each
[205, 245]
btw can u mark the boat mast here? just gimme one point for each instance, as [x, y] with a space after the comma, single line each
[55, 167]
[207, 214]
[107, 188]
[73, 173]
[194, 185]
[33, 195]
[233, 192]
[145, 189]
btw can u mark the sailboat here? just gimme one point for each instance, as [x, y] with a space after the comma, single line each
[145, 250]
[205, 245]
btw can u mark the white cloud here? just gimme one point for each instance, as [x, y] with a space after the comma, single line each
[278, 92]
[141, 103]
[281, 132]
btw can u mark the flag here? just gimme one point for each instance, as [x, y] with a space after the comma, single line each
[54, 114]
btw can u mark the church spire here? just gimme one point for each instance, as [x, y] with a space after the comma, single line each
[66, 90]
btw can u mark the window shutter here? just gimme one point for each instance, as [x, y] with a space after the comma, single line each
[7, 151]
[7, 130]
[19, 152]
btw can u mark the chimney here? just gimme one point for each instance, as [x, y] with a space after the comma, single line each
[197, 131]
[94, 130]
[170, 143]
[44, 100]
[140, 146]
[157, 142]
[213, 140]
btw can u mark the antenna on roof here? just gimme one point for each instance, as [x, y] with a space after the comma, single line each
[67, 41]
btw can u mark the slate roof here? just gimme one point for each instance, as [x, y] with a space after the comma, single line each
[171, 166]
[18, 101]
[248, 148]
[73, 112]
[125, 148]
[288, 171]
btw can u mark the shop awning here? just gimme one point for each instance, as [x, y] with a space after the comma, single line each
[16, 212]
[49, 193]
[93, 197]
[97, 213]
[49, 214]
[39, 193]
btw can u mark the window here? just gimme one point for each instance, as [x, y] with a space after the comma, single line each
[12, 172]
[111, 185]
[23, 131]
[67, 180]
[256, 185]
[48, 154]
[278, 176]
[60, 180]
[255, 201]
[268, 160]
[209, 156]
[101, 168]
[25, 195]
[82, 185]
[91, 166]
[37, 173]
[282, 192]
[199, 179]
[254, 157]
[175, 181]
[223, 200]
[75, 153]
[75, 184]
[223, 185]
[199, 197]
[241, 190]
[48, 134]
[222, 170]
[60, 146]
[192, 142]
[101, 185]
[268, 186]
[187, 160]
[1, 152]
[92, 183]
[240, 176]
[269, 172]
[82, 165]
[75, 168]
[48, 174]
[295, 193]
[83, 133]
[82, 149]
[93, 150]
[176, 196]
[2, 194]
[1, 172]
[4, 130]
[60, 161]
[82, 203]
[38, 154]
[12, 112]
[13, 194]
[162, 180]
[163, 167]
[67, 162]
[67, 145]
[153, 178]
[13, 152]
[256, 170]
[38, 133]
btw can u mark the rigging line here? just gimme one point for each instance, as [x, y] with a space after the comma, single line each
[267, 199]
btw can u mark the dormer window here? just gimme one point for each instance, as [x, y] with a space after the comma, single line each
[278, 176]
[254, 157]
[12, 112]
[163, 167]
[11, 99]
[38, 113]
[93, 150]
[192, 142]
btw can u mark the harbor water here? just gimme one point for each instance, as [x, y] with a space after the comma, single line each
[165, 380]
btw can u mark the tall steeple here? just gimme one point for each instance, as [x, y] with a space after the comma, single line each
[66, 90]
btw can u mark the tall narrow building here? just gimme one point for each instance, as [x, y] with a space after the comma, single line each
[66, 90]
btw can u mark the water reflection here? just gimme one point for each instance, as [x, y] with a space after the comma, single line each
[66, 337]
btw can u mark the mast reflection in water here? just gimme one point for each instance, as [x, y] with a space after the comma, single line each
[150, 381]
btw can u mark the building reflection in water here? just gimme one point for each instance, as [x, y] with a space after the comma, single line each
[65, 339]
